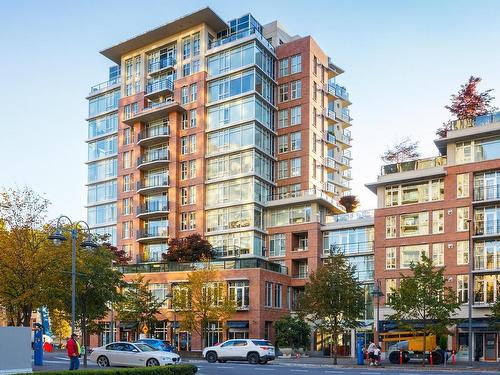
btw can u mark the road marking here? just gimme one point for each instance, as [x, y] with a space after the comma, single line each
[63, 358]
[264, 369]
[370, 373]
[299, 370]
[224, 366]
[334, 372]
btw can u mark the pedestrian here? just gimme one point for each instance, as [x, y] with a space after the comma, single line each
[371, 350]
[376, 355]
[73, 349]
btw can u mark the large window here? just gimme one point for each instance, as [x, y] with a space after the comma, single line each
[390, 227]
[438, 254]
[438, 221]
[487, 186]
[487, 220]
[268, 297]
[103, 125]
[295, 167]
[296, 64]
[241, 83]
[462, 219]
[241, 163]
[104, 103]
[237, 191]
[102, 170]
[278, 297]
[103, 148]
[390, 289]
[102, 192]
[349, 241]
[277, 245]
[412, 254]
[390, 258]
[487, 255]
[463, 288]
[290, 215]
[486, 289]
[234, 217]
[462, 185]
[485, 149]
[100, 215]
[416, 224]
[462, 252]
[239, 292]
[421, 192]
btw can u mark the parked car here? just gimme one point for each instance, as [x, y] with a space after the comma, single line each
[132, 355]
[252, 350]
[157, 344]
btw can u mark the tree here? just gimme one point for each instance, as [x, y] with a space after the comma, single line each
[139, 305]
[292, 332]
[333, 299]
[28, 260]
[401, 151]
[59, 323]
[424, 299]
[350, 202]
[192, 248]
[203, 300]
[468, 104]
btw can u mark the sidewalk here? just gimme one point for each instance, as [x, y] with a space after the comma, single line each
[413, 365]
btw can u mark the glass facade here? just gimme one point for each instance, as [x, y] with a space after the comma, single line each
[350, 241]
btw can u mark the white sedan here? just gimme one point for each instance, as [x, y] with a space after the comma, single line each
[133, 355]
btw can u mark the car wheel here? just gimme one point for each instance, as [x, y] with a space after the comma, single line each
[152, 362]
[253, 358]
[211, 357]
[102, 361]
[263, 361]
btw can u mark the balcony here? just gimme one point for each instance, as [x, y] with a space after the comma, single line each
[160, 86]
[330, 162]
[487, 193]
[161, 66]
[230, 251]
[413, 165]
[150, 136]
[154, 184]
[104, 86]
[487, 228]
[475, 122]
[226, 264]
[347, 174]
[345, 138]
[243, 34]
[154, 111]
[354, 248]
[153, 159]
[301, 196]
[152, 209]
[236, 223]
[332, 69]
[345, 116]
[330, 115]
[340, 181]
[338, 92]
[152, 234]
[329, 138]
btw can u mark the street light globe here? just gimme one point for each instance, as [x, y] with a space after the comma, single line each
[57, 238]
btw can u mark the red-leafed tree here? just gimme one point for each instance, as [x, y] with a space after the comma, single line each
[119, 256]
[350, 202]
[468, 104]
[192, 248]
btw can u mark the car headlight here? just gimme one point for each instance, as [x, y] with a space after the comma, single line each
[166, 358]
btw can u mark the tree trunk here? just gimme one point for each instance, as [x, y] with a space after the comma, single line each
[335, 342]
[425, 336]
[26, 316]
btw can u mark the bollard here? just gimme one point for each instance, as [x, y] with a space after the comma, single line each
[400, 357]
[453, 358]
[430, 358]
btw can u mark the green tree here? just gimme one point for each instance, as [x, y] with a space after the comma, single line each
[28, 260]
[350, 202]
[138, 305]
[292, 332]
[202, 300]
[333, 299]
[60, 325]
[423, 299]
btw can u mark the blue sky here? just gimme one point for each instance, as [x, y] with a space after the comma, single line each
[402, 60]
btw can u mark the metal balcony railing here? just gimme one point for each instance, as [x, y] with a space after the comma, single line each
[337, 90]
[159, 85]
[413, 165]
[160, 155]
[155, 66]
[156, 131]
[104, 85]
[240, 35]
[352, 248]
[486, 227]
[151, 207]
[478, 121]
[485, 193]
[152, 232]
[330, 138]
[152, 182]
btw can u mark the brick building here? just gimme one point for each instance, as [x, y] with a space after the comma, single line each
[424, 206]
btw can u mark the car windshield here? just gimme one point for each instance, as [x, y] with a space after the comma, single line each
[145, 347]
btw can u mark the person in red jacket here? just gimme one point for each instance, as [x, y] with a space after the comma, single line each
[73, 352]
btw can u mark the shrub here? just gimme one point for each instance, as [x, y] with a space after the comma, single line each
[165, 370]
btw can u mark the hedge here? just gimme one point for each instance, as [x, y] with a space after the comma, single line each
[163, 370]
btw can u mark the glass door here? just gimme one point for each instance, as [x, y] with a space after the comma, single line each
[490, 346]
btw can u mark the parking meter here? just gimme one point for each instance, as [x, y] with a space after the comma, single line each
[359, 350]
[38, 347]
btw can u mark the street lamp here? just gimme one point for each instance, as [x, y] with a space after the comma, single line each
[377, 292]
[469, 294]
[58, 238]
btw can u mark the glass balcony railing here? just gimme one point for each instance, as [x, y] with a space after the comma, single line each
[152, 207]
[330, 162]
[330, 137]
[352, 248]
[486, 228]
[413, 165]
[360, 215]
[230, 251]
[164, 63]
[159, 155]
[159, 85]
[486, 193]
[156, 131]
[478, 121]
[153, 232]
[152, 182]
[240, 35]
[345, 116]
[330, 113]
[307, 193]
[226, 264]
[337, 90]
[104, 85]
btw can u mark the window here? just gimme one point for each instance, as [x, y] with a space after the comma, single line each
[420, 192]
[462, 185]
[277, 245]
[192, 118]
[416, 224]
[463, 152]
[268, 301]
[283, 169]
[195, 66]
[239, 292]
[193, 90]
[278, 288]
[390, 258]
[186, 70]
[390, 289]
[126, 230]
[184, 221]
[283, 118]
[283, 90]
[184, 95]
[315, 65]
[127, 206]
[184, 120]
[192, 195]
[196, 44]
[462, 252]
[192, 168]
[284, 67]
[438, 254]
[462, 217]
[283, 143]
[184, 145]
[412, 254]
[314, 147]
[192, 143]
[296, 115]
[127, 159]
[295, 167]
[184, 170]
[192, 220]
[186, 47]
[127, 136]
[438, 221]
[296, 90]
[126, 183]
[295, 141]
[463, 288]
[391, 196]
[184, 196]
[390, 227]
[296, 65]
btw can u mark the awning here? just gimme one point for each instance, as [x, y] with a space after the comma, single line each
[478, 324]
[237, 324]
[128, 326]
